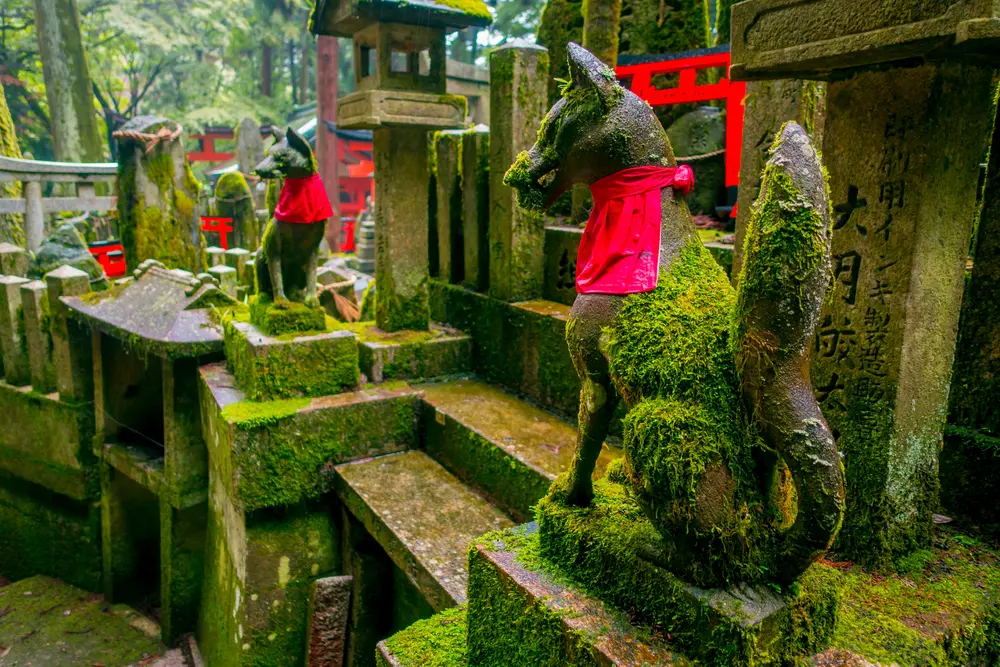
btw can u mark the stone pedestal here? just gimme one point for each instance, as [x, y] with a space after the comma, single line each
[401, 261]
[476, 207]
[903, 149]
[518, 102]
[157, 197]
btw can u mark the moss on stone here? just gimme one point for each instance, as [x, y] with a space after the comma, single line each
[475, 8]
[252, 415]
[11, 224]
[233, 199]
[284, 318]
[438, 641]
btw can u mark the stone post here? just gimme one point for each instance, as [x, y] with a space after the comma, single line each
[401, 263]
[71, 342]
[326, 141]
[226, 275]
[215, 255]
[238, 259]
[35, 306]
[233, 199]
[448, 179]
[34, 216]
[13, 345]
[14, 260]
[157, 196]
[476, 206]
[327, 633]
[903, 148]
[518, 95]
[768, 105]
[249, 146]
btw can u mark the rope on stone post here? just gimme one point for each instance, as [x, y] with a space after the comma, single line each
[150, 140]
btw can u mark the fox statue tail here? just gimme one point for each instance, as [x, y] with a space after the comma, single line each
[785, 273]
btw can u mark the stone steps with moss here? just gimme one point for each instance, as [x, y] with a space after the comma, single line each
[47, 623]
[506, 448]
[422, 516]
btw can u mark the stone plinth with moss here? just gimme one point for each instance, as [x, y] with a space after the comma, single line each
[285, 317]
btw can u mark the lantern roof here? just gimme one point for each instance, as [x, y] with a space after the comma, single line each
[344, 18]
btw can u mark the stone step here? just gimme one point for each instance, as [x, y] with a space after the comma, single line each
[506, 448]
[422, 516]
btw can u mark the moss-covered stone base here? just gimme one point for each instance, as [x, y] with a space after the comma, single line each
[438, 641]
[287, 366]
[281, 452]
[286, 318]
[47, 623]
[47, 533]
[410, 355]
[610, 547]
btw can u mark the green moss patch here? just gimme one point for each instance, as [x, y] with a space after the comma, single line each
[941, 608]
[438, 641]
[285, 318]
[252, 415]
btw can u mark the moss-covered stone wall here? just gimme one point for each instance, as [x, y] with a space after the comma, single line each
[11, 224]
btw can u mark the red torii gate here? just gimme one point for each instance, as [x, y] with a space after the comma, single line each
[636, 74]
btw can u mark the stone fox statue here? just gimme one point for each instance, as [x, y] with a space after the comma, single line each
[286, 265]
[726, 449]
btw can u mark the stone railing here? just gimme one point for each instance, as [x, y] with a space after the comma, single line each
[32, 173]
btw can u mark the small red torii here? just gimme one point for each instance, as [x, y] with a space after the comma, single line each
[636, 73]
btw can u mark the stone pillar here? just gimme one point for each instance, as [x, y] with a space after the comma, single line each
[182, 564]
[35, 306]
[214, 256]
[233, 199]
[903, 148]
[227, 278]
[71, 342]
[327, 634]
[14, 260]
[249, 146]
[448, 179]
[157, 197]
[13, 346]
[326, 141]
[238, 258]
[185, 464]
[476, 206]
[34, 215]
[518, 79]
[768, 105]
[401, 263]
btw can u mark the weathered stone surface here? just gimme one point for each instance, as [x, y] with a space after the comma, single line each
[697, 133]
[215, 255]
[384, 357]
[240, 259]
[518, 101]
[35, 309]
[249, 146]
[328, 611]
[267, 368]
[450, 228]
[521, 616]
[13, 344]
[507, 449]
[401, 229]
[283, 452]
[561, 247]
[376, 109]
[475, 168]
[427, 539]
[766, 107]
[182, 567]
[14, 260]
[902, 148]
[66, 246]
[226, 277]
[773, 38]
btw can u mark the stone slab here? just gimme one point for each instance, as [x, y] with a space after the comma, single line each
[283, 452]
[373, 109]
[143, 465]
[422, 516]
[521, 615]
[416, 355]
[506, 448]
[792, 39]
[609, 548]
[328, 608]
[267, 367]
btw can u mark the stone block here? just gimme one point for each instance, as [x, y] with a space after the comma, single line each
[413, 355]
[476, 206]
[14, 260]
[518, 102]
[290, 318]
[226, 277]
[328, 609]
[776, 39]
[266, 368]
[561, 247]
[376, 109]
[215, 255]
[524, 615]
[71, 348]
[448, 181]
[610, 549]
[282, 452]
[238, 258]
[13, 343]
[35, 308]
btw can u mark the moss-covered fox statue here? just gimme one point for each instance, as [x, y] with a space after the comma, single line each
[721, 418]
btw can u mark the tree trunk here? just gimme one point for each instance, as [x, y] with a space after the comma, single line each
[75, 133]
[601, 19]
[11, 224]
[291, 72]
[266, 70]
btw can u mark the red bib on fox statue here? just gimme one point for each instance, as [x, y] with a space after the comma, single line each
[620, 249]
[303, 201]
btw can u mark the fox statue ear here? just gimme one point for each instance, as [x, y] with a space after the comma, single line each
[276, 133]
[296, 141]
[587, 71]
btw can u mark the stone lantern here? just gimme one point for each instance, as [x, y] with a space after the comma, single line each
[399, 71]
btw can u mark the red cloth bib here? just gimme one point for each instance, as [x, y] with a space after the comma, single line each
[303, 201]
[620, 249]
